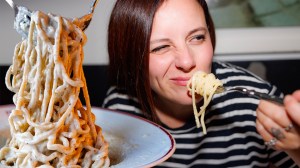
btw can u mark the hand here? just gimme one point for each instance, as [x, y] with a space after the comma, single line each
[278, 125]
[292, 105]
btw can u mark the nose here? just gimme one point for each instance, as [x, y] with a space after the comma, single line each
[185, 59]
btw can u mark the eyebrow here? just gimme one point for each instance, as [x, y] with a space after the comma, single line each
[198, 29]
[159, 40]
[191, 32]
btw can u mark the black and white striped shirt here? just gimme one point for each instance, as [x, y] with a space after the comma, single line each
[231, 139]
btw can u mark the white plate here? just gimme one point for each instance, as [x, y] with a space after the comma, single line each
[134, 141]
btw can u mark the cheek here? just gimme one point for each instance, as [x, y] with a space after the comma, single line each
[153, 71]
[204, 58]
[158, 66]
[209, 56]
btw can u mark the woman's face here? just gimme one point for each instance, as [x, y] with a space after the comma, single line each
[180, 45]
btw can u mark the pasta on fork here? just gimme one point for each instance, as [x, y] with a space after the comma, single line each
[204, 85]
[49, 125]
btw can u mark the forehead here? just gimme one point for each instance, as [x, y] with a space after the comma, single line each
[187, 11]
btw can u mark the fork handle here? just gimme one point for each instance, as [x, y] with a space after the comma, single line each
[267, 97]
[11, 3]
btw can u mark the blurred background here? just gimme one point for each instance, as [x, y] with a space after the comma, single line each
[255, 13]
[260, 35]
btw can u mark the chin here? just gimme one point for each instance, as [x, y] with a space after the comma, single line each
[185, 100]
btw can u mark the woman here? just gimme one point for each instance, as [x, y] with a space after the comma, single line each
[155, 46]
[280, 126]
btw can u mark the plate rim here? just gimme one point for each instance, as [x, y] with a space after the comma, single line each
[173, 142]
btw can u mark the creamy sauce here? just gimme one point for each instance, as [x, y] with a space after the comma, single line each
[22, 21]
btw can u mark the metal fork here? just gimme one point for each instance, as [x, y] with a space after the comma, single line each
[252, 93]
[23, 17]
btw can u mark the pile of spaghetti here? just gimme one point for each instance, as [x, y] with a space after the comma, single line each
[49, 125]
[205, 85]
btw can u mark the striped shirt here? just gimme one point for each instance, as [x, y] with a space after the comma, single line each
[230, 119]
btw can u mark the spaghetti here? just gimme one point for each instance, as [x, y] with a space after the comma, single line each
[49, 125]
[204, 85]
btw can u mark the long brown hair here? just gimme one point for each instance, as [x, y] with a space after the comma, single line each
[129, 34]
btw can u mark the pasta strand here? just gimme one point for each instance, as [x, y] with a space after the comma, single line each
[49, 125]
[204, 85]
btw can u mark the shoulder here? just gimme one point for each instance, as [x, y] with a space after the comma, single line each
[233, 76]
[226, 70]
[117, 99]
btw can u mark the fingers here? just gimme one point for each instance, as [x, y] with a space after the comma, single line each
[268, 138]
[276, 136]
[274, 112]
[296, 94]
[293, 108]
[275, 127]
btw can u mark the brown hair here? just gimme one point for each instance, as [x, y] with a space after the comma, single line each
[129, 34]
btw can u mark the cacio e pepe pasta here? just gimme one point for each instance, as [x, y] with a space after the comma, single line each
[49, 125]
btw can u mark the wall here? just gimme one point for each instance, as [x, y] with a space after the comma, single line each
[95, 49]
[276, 43]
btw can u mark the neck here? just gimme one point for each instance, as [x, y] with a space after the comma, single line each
[173, 115]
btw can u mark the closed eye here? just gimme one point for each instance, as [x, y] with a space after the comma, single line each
[159, 48]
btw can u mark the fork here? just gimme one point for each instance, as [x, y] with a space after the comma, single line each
[23, 17]
[252, 93]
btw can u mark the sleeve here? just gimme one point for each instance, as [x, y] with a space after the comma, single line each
[117, 99]
[281, 159]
